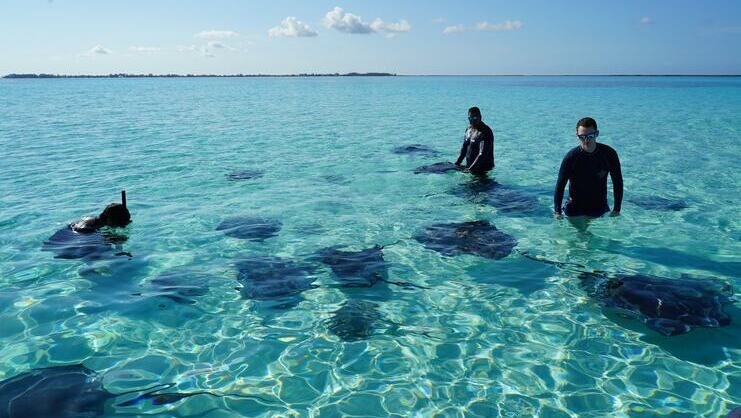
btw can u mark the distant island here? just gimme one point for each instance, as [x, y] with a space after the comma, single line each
[125, 75]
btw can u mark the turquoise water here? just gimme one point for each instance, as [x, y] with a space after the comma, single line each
[510, 337]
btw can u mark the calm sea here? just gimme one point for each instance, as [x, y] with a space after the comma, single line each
[473, 336]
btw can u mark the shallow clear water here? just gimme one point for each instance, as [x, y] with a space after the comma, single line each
[509, 337]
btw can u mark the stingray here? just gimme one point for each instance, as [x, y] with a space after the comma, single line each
[668, 306]
[355, 320]
[274, 279]
[72, 391]
[437, 168]
[250, 228]
[659, 203]
[504, 198]
[417, 149]
[69, 244]
[337, 179]
[364, 268]
[180, 285]
[476, 237]
[240, 175]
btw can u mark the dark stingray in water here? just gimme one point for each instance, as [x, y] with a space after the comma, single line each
[274, 279]
[437, 168]
[244, 175]
[475, 237]
[362, 268]
[69, 244]
[417, 149]
[250, 228]
[504, 198]
[72, 391]
[668, 306]
[355, 320]
[659, 203]
[180, 285]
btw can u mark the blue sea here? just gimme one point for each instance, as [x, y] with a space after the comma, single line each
[445, 335]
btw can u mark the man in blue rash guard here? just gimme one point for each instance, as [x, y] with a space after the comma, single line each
[585, 168]
[478, 145]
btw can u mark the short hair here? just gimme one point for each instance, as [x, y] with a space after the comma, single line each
[475, 111]
[587, 123]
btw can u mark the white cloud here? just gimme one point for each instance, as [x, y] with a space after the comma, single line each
[453, 29]
[292, 28]
[346, 22]
[349, 23]
[96, 50]
[646, 21]
[507, 26]
[401, 26]
[216, 34]
[144, 49]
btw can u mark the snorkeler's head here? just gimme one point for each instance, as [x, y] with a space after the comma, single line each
[474, 115]
[115, 215]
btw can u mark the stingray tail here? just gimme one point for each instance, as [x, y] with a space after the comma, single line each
[405, 285]
[154, 394]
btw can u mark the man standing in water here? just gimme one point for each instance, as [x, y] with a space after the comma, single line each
[478, 145]
[585, 168]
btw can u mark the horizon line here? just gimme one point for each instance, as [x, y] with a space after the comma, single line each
[366, 74]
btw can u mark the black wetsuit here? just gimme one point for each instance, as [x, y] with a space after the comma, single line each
[586, 174]
[478, 149]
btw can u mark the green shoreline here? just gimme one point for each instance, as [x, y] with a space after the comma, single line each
[127, 75]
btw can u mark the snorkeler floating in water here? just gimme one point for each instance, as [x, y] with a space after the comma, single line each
[83, 239]
[115, 215]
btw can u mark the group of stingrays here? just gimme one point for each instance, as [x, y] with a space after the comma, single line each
[669, 306]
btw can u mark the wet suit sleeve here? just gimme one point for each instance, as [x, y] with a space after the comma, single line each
[464, 149]
[616, 175]
[563, 177]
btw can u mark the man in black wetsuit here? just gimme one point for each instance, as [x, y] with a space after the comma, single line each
[585, 168]
[478, 145]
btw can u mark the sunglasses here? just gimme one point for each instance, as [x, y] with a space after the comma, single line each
[587, 137]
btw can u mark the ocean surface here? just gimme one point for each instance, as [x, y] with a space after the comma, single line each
[444, 335]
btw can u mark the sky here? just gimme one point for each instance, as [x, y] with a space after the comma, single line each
[433, 37]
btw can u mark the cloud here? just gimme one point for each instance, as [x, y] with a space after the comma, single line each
[646, 21]
[292, 28]
[439, 20]
[401, 26]
[96, 50]
[453, 29]
[349, 23]
[144, 49]
[507, 26]
[219, 45]
[345, 22]
[216, 34]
